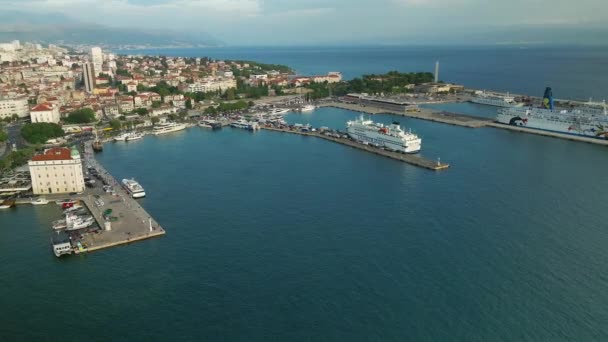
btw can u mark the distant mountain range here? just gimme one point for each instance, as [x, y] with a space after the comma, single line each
[60, 29]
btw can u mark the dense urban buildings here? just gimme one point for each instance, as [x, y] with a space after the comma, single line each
[57, 170]
[10, 106]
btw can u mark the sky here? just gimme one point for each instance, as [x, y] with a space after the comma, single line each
[260, 22]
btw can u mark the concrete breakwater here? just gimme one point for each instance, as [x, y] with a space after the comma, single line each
[463, 121]
[407, 158]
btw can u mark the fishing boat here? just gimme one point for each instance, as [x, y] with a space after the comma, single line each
[6, 204]
[204, 124]
[97, 145]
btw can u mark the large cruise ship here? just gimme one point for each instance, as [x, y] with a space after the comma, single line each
[584, 120]
[391, 137]
[494, 100]
[168, 128]
[136, 190]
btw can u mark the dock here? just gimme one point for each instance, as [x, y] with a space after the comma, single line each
[422, 114]
[407, 158]
[129, 221]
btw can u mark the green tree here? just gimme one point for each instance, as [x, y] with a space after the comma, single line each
[156, 104]
[80, 116]
[39, 133]
[188, 104]
[115, 124]
[141, 111]
[14, 117]
[155, 120]
[3, 136]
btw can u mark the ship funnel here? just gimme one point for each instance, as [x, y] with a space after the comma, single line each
[548, 99]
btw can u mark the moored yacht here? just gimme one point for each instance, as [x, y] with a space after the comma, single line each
[134, 188]
[135, 136]
[121, 137]
[308, 108]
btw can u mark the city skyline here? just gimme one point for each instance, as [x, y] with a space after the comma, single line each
[272, 22]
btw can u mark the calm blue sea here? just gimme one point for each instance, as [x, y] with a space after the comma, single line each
[575, 72]
[279, 237]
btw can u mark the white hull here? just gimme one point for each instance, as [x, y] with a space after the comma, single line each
[308, 109]
[583, 125]
[40, 201]
[168, 129]
[135, 137]
[390, 137]
[493, 102]
[133, 188]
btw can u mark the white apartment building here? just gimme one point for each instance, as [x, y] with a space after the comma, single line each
[212, 85]
[97, 60]
[14, 105]
[45, 112]
[57, 171]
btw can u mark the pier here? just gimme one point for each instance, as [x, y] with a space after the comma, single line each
[407, 158]
[128, 221]
[422, 114]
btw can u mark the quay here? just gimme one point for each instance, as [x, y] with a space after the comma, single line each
[462, 120]
[407, 158]
[421, 113]
[129, 222]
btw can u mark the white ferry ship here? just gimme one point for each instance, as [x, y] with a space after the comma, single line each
[279, 111]
[134, 188]
[494, 100]
[168, 128]
[391, 137]
[584, 121]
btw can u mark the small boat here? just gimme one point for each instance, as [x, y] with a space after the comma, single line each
[39, 201]
[121, 137]
[6, 204]
[73, 208]
[307, 108]
[61, 244]
[64, 201]
[134, 188]
[134, 136]
[204, 124]
[97, 145]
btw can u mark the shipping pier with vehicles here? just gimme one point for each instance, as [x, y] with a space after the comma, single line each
[118, 218]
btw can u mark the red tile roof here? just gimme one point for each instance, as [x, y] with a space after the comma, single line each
[56, 153]
[43, 107]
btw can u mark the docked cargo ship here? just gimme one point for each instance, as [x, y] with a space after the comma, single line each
[586, 121]
[391, 137]
[495, 100]
[136, 190]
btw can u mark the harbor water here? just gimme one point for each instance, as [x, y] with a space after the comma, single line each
[272, 236]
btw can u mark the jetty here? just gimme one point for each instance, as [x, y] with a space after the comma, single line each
[420, 113]
[407, 158]
[124, 222]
